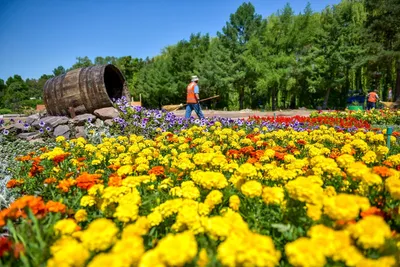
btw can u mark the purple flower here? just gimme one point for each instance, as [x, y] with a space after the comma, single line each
[41, 130]
[26, 126]
[41, 124]
[5, 132]
[48, 129]
[19, 121]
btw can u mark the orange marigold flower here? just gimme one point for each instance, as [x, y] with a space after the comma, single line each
[14, 183]
[233, 153]
[60, 158]
[372, 211]
[157, 170]
[23, 158]
[382, 171]
[86, 180]
[247, 150]
[43, 149]
[36, 167]
[81, 159]
[50, 180]
[252, 160]
[279, 155]
[301, 142]
[69, 174]
[53, 206]
[17, 208]
[65, 184]
[114, 180]
[113, 167]
[388, 163]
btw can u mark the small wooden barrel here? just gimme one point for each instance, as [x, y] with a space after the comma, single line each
[84, 90]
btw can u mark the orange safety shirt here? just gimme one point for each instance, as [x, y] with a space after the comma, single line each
[191, 97]
[372, 97]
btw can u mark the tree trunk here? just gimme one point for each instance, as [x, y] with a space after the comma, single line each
[397, 92]
[273, 95]
[326, 98]
[241, 98]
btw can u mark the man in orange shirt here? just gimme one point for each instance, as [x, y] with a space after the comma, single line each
[192, 99]
[372, 98]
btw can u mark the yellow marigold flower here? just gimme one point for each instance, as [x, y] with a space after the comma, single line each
[213, 198]
[60, 139]
[125, 170]
[247, 170]
[129, 250]
[203, 258]
[177, 250]
[344, 206]
[100, 235]
[234, 202]
[251, 249]
[128, 207]
[314, 211]
[388, 261]
[251, 189]
[305, 252]
[370, 232]
[382, 150]
[369, 157]
[273, 195]
[139, 228]
[65, 227]
[306, 189]
[209, 180]
[392, 184]
[106, 259]
[329, 191]
[80, 215]
[88, 201]
[67, 251]
[96, 162]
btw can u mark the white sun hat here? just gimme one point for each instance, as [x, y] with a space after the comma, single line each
[195, 78]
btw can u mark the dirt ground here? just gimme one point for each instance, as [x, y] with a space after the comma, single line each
[248, 113]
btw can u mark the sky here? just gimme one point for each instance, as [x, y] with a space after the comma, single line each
[37, 36]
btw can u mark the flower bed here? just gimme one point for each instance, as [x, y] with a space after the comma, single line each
[217, 194]
[375, 116]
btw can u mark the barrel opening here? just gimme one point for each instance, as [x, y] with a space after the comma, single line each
[114, 82]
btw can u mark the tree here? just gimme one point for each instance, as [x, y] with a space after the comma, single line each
[59, 71]
[383, 27]
[82, 62]
[242, 26]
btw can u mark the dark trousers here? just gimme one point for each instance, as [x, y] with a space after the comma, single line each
[196, 107]
[371, 105]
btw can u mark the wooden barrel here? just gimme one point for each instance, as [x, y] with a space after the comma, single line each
[85, 90]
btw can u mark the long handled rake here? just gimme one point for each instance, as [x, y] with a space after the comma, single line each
[176, 107]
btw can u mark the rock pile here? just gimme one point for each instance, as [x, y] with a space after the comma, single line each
[34, 126]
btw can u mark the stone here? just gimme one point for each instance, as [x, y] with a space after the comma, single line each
[79, 131]
[37, 140]
[62, 130]
[80, 120]
[106, 113]
[29, 136]
[32, 118]
[108, 122]
[18, 128]
[50, 121]
[98, 123]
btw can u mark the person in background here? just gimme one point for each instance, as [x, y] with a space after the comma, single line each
[390, 95]
[193, 98]
[372, 98]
